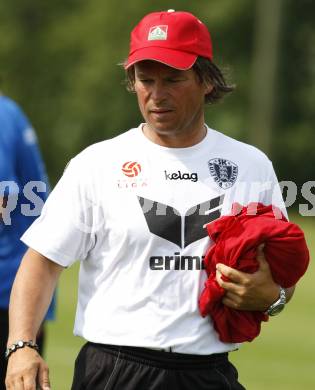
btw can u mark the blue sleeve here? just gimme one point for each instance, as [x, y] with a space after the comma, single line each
[29, 163]
[7, 143]
[20, 159]
[20, 163]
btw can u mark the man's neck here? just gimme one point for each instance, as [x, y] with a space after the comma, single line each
[183, 140]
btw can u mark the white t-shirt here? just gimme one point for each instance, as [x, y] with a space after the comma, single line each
[133, 213]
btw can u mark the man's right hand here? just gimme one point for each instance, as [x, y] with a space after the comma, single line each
[31, 294]
[27, 371]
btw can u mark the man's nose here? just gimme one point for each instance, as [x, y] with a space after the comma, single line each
[158, 91]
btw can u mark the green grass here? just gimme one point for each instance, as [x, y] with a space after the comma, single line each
[281, 358]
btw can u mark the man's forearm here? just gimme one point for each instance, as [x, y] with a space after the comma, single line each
[31, 295]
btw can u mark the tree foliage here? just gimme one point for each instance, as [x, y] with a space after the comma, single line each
[60, 59]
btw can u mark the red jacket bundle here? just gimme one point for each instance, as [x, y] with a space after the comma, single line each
[236, 238]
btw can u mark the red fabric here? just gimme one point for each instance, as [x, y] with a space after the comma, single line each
[236, 238]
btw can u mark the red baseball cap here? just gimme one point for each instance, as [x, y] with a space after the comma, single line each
[173, 38]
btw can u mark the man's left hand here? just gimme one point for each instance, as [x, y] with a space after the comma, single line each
[254, 292]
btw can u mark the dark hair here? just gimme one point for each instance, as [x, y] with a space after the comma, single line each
[207, 73]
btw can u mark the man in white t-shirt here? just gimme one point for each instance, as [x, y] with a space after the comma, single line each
[132, 210]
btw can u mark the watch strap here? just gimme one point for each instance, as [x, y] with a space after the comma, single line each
[279, 304]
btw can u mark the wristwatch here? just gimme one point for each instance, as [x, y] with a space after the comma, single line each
[278, 306]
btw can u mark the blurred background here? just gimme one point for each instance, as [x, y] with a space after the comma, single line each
[59, 60]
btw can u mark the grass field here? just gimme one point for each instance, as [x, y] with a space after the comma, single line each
[282, 358]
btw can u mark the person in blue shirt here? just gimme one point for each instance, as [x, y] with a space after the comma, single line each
[23, 189]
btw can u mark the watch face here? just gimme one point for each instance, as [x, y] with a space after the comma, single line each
[276, 310]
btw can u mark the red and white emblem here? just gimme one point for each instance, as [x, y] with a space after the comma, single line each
[158, 33]
[131, 168]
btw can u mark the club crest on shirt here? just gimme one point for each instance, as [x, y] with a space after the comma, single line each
[224, 172]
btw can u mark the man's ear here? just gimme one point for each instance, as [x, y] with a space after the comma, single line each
[208, 88]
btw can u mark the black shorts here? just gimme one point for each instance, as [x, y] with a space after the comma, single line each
[108, 367]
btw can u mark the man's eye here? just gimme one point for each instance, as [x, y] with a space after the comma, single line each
[145, 80]
[175, 80]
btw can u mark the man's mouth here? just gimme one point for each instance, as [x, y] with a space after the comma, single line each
[160, 111]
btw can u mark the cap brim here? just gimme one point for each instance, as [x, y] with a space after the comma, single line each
[173, 58]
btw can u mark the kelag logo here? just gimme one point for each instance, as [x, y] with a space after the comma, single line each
[181, 176]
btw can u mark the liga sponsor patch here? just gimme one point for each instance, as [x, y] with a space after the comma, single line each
[131, 168]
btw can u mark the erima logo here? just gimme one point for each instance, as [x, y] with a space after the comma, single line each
[181, 176]
[158, 33]
[176, 262]
[166, 222]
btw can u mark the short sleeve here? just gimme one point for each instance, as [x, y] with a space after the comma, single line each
[64, 232]
[272, 194]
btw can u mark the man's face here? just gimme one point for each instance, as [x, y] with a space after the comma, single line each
[170, 100]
